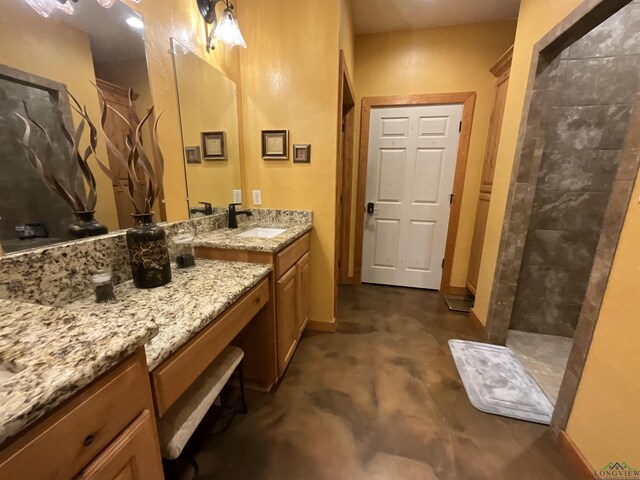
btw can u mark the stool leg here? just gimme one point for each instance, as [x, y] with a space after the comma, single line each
[242, 398]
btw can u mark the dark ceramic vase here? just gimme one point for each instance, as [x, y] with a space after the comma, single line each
[148, 253]
[86, 226]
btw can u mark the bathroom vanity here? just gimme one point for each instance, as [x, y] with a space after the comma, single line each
[82, 384]
[108, 428]
[285, 247]
[75, 398]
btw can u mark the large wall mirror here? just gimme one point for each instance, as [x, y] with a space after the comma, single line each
[41, 58]
[210, 132]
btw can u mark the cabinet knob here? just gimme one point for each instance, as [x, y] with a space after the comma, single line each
[89, 440]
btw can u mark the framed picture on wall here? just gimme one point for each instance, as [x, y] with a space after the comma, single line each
[214, 146]
[301, 153]
[275, 144]
[192, 154]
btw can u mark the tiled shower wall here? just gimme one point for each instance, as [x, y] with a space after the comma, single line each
[587, 107]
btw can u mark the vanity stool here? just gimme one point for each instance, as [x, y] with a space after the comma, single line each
[176, 427]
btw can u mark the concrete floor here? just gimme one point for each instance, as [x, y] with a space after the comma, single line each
[379, 400]
[544, 356]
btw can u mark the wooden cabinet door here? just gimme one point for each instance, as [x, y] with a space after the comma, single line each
[118, 98]
[501, 70]
[286, 318]
[302, 293]
[482, 213]
[134, 455]
[495, 127]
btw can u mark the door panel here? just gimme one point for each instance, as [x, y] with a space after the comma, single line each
[482, 213]
[433, 126]
[286, 315]
[387, 235]
[426, 180]
[411, 168]
[394, 127]
[391, 175]
[302, 293]
[420, 245]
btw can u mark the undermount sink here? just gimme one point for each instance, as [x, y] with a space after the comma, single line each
[263, 232]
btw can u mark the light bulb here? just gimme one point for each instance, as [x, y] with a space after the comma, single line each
[228, 31]
[135, 22]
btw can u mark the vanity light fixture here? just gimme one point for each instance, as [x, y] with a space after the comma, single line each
[47, 7]
[226, 29]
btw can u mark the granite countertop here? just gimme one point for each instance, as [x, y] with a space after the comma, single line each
[180, 309]
[228, 238]
[54, 353]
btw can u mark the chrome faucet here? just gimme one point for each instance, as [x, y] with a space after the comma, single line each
[233, 214]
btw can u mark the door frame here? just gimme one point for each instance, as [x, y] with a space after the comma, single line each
[344, 176]
[468, 101]
[581, 20]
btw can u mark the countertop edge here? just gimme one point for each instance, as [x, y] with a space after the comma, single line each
[204, 243]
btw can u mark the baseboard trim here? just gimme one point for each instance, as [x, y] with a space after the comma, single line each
[318, 326]
[575, 457]
[476, 321]
[456, 290]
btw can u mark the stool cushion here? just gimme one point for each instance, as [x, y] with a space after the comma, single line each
[181, 420]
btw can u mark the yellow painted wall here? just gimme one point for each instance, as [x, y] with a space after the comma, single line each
[536, 18]
[440, 60]
[605, 420]
[347, 34]
[60, 52]
[289, 81]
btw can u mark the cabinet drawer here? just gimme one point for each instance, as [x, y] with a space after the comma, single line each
[172, 378]
[135, 454]
[290, 255]
[68, 439]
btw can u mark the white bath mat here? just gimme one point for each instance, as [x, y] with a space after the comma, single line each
[496, 382]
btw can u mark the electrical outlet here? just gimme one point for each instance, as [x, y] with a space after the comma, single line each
[257, 197]
[237, 196]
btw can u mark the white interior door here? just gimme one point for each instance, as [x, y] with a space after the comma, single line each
[410, 173]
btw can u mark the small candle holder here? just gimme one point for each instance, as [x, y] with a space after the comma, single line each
[103, 286]
[184, 250]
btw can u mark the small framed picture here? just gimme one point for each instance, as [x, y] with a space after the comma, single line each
[214, 146]
[275, 144]
[192, 154]
[301, 153]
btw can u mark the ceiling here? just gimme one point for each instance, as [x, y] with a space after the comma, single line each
[110, 36]
[370, 16]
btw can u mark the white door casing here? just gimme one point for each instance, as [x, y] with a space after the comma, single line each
[410, 173]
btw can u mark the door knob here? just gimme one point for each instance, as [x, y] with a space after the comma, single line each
[370, 208]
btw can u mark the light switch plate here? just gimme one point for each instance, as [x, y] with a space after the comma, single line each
[237, 196]
[257, 197]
